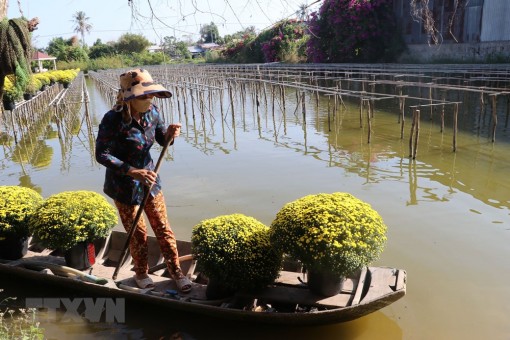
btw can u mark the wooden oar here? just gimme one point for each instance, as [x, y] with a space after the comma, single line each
[139, 212]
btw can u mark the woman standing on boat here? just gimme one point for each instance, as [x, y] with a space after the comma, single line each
[126, 134]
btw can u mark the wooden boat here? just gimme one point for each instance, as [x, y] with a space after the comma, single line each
[287, 302]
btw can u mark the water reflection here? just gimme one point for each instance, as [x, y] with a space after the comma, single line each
[24, 140]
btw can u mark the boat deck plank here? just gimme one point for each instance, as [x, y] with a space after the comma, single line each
[381, 282]
[359, 287]
[292, 279]
[299, 296]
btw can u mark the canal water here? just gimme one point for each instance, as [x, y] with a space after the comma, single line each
[448, 213]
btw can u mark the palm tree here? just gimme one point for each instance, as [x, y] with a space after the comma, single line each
[3, 8]
[82, 26]
[302, 13]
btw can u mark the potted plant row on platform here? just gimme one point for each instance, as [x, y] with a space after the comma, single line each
[37, 82]
[331, 235]
[67, 222]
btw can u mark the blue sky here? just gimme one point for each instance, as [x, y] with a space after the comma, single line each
[181, 18]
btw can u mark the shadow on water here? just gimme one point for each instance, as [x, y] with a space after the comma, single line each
[143, 321]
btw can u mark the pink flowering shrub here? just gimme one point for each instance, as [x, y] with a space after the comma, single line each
[354, 31]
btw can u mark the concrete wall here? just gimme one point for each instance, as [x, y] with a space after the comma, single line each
[495, 23]
[497, 51]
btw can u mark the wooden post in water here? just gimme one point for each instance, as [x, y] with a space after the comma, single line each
[507, 110]
[361, 112]
[283, 97]
[482, 109]
[414, 134]
[185, 100]
[329, 113]
[316, 92]
[272, 99]
[221, 100]
[191, 99]
[442, 111]
[401, 119]
[231, 97]
[370, 114]
[372, 102]
[494, 117]
[455, 114]
[417, 134]
[303, 108]
[431, 102]
[339, 88]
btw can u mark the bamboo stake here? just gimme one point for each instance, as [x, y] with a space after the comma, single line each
[303, 108]
[507, 110]
[417, 133]
[411, 134]
[370, 108]
[494, 117]
[455, 114]
[329, 113]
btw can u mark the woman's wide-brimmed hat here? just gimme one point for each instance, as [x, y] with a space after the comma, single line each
[138, 82]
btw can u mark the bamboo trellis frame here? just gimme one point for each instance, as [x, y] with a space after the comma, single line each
[337, 82]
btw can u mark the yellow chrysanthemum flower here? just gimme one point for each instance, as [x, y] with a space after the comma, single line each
[236, 250]
[70, 217]
[337, 232]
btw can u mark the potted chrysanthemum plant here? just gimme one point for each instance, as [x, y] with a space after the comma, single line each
[70, 221]
[333, 235]
[234, 252]
[17, 204]
[11, 95]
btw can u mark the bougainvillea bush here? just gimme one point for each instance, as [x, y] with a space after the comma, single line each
[284, 42]
[235, 250]
[354, 31]
[335, 232]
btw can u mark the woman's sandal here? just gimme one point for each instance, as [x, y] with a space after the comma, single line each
[144, 283]
[184, 284]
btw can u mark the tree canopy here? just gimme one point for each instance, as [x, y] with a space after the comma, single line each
[209, 33]
[67, 50]
[132, 43]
